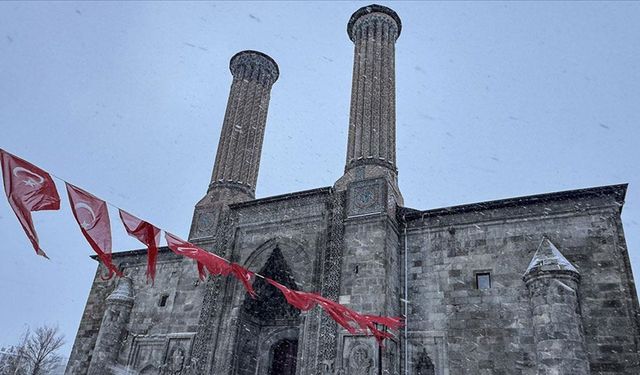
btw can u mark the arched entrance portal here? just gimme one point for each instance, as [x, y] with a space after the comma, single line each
[268, 326]
[284, 355]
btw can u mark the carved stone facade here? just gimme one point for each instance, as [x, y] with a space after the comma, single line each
[531, 285]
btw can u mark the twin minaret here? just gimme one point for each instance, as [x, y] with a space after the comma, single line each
[240, 146]
[372, 123]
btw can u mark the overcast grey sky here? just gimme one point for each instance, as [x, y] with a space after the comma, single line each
[126, 100]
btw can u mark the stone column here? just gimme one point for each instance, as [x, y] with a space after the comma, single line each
[372, 122]
[553, 284]
[112, 329]
[240, 146]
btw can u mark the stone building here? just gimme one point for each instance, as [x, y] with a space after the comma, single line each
[532, 285]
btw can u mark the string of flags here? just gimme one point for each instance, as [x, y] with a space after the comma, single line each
[30, 189]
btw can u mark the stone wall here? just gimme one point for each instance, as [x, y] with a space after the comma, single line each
[163, 319]
[467, 330]
[165, 316]
[453, 326]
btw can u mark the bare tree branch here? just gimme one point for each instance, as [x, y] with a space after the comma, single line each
[36, 354]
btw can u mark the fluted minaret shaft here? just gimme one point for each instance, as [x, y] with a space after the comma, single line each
[240, 146]
[372, 121]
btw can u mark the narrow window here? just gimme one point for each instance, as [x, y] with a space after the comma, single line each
[483, 280]
[163, 300]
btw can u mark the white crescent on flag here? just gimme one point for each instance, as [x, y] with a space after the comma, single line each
[246, 275]
[29, 181]
[84, 223]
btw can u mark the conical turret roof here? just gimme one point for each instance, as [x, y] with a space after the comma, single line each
[549, 258]
[123, 291]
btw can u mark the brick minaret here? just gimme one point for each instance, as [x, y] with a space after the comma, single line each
[240, 146]
[374, 30]
[235, 171]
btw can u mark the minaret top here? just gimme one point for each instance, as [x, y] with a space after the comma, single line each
[254, 66]
[370, 9]
[548, 258]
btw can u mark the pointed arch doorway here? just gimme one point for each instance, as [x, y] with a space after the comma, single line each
[268, 327]
[283, 359]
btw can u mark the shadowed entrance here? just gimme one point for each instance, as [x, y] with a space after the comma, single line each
[284, 357]
[268, 326]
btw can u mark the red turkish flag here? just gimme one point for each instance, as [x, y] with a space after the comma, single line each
[92, 216]
[306, 301]
[28, 189]
[148, 235]
[342, 315]
[300, 300]
[212, 263]
[245, 276]
[388, 321]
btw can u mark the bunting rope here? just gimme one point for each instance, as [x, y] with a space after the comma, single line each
[30, 189]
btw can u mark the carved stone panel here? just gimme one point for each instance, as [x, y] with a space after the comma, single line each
[147, 354]
[205, 222]
[366, 197]
[360, 360]
[170, 354]
[331, 277]
[359, 356]
[177, 358]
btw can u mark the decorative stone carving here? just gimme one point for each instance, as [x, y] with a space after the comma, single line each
[366, 197]
[360, 361]
[205, 222]
[254, 66]
[331, 278]
[175, 362]
[203, 342]
[328, 367]
[373, 14]
[423, 364]
[146, 352]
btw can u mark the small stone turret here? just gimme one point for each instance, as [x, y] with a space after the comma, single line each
[553, 285]
[112, 329]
